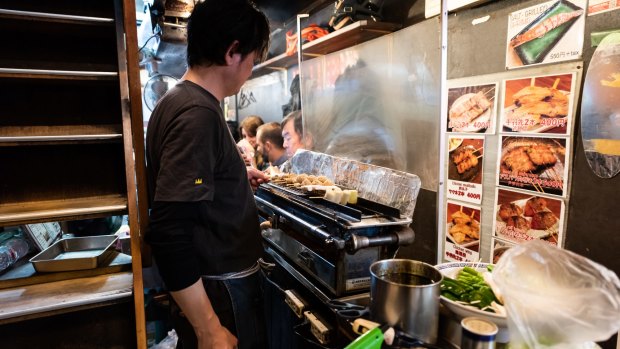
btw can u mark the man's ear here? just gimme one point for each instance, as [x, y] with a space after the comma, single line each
[231, 53]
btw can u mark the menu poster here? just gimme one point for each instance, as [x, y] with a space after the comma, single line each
[599, 6]
[465, 168]
[472, 109]
[498, 249]
[533, 163]
[462, 232]
[539, 104]
[545, 33]
[521, 217]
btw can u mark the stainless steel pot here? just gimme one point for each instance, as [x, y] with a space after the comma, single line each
[405, 294]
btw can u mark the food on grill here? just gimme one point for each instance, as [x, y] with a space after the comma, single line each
[301, 179]
[543, 28]
[518, 222]
[529, 158]
[467, 109]
[509, 210]
[535, 205]
[543, 220]
[531, 103]
[465, 160]
[464, 227]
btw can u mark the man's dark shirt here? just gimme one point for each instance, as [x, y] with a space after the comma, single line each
[203, 216]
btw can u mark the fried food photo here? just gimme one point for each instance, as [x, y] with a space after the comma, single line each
[464, 227]
[532, 103]
[529, 157]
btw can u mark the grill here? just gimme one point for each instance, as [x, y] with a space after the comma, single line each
[334, 244]
[323, 250]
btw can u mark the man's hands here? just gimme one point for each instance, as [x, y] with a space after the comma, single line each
[256, 177]
[197, 308]
[217, 338]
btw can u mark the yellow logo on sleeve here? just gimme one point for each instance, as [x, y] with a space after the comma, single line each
[198, 181]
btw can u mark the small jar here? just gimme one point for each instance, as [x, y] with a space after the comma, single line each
[478, 333]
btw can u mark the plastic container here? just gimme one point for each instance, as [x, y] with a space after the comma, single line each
[11, 251]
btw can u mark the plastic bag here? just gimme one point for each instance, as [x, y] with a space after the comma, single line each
[170, 342]
[556, 298]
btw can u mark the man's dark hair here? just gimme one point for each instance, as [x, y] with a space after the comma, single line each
[215, 24]
[297, 122]
[272, 132]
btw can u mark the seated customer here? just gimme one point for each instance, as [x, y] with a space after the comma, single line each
[293, 133]
[270, 143]
[247, 144]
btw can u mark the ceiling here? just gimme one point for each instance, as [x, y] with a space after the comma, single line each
[280, 12]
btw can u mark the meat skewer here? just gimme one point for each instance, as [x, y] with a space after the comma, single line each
[546, 26]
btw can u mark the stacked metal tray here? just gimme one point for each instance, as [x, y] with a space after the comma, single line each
[76, 253]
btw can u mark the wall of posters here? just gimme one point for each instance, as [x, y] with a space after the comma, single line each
[472, 109]
[550, 32]
[539, 104]
[462, 232]
[521, 217]
[533, 163]
[465, 168]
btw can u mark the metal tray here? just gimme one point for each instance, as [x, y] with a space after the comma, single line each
[74, 254]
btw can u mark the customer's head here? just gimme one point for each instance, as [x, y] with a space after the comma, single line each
[292, 132]
[216, 25]
[269, 141]
[248, 128]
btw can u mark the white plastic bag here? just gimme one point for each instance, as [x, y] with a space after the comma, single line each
[170, 342]
[556, 298]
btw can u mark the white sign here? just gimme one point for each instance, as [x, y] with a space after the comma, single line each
[545, 33]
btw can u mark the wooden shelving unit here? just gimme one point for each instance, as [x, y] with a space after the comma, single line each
[351, 35]
[67, 96]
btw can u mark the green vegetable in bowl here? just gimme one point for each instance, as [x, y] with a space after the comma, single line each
[470, 288]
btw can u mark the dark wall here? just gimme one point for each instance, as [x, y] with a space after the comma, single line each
[593, 229]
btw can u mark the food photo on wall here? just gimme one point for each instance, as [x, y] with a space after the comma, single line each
[521, 217]
[462, 232]
[539, 104]
[549, 32]
[534, 164]
[472, 109]
[499, 247]
[465, 168]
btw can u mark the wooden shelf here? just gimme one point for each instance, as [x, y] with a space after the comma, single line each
[351, 35]
[56, 74]
[62, 296]
[54, 210]
[53, 17]
[60, 134]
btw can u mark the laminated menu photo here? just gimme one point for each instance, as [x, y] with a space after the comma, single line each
[548, 32]
[536, 164]
[521, 217]
[462, 232]
[539, 104]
